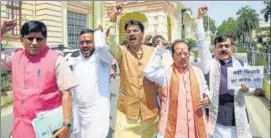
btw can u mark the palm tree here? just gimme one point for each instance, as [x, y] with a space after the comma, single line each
[247, 21]
[267, 10]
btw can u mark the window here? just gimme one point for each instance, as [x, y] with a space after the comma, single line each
[13, 11]
[76, 23]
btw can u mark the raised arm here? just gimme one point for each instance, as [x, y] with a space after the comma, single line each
[114, 48]
[101, 49]
[204, 53]
[154, 71]
[6, 55]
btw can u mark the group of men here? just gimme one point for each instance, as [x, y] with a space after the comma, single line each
[42, 81]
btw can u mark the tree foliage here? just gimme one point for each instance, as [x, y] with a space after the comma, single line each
[267, 10]
[5, 81]
[191, 42]
[228, 27]
[247, 20]
[241, 28]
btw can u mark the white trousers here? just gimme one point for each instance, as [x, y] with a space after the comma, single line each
[93, 119]
[222, 131]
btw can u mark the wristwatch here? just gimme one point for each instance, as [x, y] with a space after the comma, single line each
[68, 125]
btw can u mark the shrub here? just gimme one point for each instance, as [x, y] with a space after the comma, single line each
[5, 82]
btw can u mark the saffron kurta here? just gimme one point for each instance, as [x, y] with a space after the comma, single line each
[137, 105]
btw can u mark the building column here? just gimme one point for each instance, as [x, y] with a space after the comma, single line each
[90, 18]
[64, 24]
[97, 12]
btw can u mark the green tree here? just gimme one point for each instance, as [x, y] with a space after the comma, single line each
[211, 24]
[267, 10]
[247, 20]
[5, 81]
[191, 42]
[228, 27]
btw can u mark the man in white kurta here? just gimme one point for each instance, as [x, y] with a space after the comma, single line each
[92, 95]
[227, 115]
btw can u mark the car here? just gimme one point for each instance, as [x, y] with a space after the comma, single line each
[70, 54]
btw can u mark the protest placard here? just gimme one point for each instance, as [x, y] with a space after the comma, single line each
[252, 76]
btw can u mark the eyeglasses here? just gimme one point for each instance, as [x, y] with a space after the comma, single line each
[38, 39]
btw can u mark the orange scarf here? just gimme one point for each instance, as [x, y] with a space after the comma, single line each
[173, 105]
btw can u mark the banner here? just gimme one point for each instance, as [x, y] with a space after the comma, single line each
[251, 76]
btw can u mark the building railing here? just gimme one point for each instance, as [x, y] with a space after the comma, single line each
[259, 57]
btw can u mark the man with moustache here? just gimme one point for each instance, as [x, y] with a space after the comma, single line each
[227, 115]
[92, 95]
[183, 95]
[41, 80]
[137, 115]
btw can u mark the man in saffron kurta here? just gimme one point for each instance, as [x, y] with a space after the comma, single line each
[41, 80]
[137, 115]
[184, 93]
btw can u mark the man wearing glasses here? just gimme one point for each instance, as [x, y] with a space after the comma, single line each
[41, 79]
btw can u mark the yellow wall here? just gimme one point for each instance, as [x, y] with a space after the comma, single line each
[50, 13]
[54, 15]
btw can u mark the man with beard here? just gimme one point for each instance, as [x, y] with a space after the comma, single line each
[41, 80]
[92, 95]
[183, 95]
[227, 115]
[137, 115]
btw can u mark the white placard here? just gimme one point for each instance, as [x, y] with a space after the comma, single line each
[252, 76]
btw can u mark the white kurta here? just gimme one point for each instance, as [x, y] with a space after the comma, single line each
[212, 66]
[92, 95]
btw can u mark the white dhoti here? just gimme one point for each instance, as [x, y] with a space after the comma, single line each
[94, 119]
[222, 131]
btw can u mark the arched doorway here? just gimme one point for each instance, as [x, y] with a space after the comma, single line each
[130, 16]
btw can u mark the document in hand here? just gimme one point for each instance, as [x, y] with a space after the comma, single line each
[252, 76]
[47, 122]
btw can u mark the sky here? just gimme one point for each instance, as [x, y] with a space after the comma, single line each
[222, 10]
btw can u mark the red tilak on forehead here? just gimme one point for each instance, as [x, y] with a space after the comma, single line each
[86, 36]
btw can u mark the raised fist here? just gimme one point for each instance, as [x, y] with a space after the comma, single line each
[7, 25]
[113, 14]
[202, 11]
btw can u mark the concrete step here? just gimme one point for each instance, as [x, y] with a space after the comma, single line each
[259, 114]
